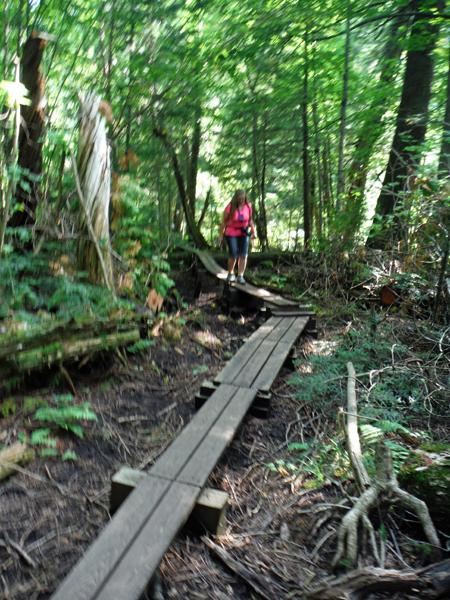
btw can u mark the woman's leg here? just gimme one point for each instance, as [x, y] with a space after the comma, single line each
[243, 242]
[242, 263]
[233, 252]
[231, 263]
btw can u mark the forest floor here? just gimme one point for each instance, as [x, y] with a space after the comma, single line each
[282, 523]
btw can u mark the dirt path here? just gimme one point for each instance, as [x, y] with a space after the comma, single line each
[282, 522]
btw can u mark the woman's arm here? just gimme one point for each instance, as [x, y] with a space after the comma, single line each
[223, 225]
[252, 227]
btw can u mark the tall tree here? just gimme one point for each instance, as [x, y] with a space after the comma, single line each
[412, 117]
[31, 131]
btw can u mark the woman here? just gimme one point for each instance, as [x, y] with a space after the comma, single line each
[236, 222]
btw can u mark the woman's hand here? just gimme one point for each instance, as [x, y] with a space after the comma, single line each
[220, 242]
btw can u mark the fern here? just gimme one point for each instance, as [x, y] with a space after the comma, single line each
[370, 433]
[67, 417]
[140, 346]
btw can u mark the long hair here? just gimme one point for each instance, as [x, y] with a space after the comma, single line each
[234, 202]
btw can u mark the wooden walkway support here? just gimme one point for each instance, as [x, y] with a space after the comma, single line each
[123, 559]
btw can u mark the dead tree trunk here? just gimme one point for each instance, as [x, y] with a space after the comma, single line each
[94, 171]
[31, 131]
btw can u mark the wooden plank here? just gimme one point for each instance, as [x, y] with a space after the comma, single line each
[246, 351]
[132, 575]
[181, 449]
[299, 324]
[102, 557]
[293, 313]
[252, 368]
[280, 330]
[238, 362]
[203, 461]
[270, 370]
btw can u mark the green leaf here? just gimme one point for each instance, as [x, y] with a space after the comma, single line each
[49, 452]
[200, 369]
[69, 455]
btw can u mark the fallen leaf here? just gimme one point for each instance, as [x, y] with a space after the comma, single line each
[154, 300]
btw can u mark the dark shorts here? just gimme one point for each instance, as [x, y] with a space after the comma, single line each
[237, 245]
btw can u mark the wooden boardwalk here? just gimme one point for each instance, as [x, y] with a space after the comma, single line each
[122, 560]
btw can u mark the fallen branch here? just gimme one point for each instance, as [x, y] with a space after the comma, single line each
[430, 583]
[353, 445]
[13, 455]
[260, 584]
[63, 351]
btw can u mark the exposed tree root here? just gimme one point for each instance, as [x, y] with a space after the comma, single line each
[385, 483]
[430, 583]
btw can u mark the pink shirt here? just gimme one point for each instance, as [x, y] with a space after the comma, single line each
[234, 225]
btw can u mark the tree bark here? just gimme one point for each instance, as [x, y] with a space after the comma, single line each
[31, 131]
[341, 179]
[193, 228]
[305, 155]
[370, 130]
[412, 120]
[94, 170]
[444, 157]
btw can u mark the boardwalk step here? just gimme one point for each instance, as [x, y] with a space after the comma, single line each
[208, 515]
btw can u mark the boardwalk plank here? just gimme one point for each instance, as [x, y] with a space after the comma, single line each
[219, 437]
[281, 329]
[245, 353]
[132, 574]
[253, 367]
[171, 463]
[272, 367]
[102, 557]
[299, 324]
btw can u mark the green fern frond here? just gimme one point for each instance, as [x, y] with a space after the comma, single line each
[140, 346]
[370, 433]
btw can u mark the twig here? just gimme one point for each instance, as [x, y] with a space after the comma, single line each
[205, 346]
[27, 558]
[68, 379]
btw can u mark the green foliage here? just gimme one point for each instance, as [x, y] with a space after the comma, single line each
[12, 92]
[66, 415]
[199, 369]
[371, 353]
[31, 283]
[140, 346]
[315, 460]
[8, 407]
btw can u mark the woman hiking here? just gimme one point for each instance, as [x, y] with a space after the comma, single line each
[237, 224]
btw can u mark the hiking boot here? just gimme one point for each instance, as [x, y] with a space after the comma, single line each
[241, 280]
[231, 278]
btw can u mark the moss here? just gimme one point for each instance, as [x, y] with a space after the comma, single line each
[433, 447]
[430, 483]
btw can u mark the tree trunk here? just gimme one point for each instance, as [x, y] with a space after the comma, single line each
[191, 175]
[258, 218]
[305, 157]
[370, 130]
[262, 198]
[193, 228]
[317, 155]
[341, 180]
[94, 170]
[6, 42]
[412, 120]
[444, 157]
[31, 131]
